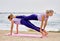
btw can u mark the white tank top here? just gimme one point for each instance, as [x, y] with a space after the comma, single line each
[40, 17]
[16, 20]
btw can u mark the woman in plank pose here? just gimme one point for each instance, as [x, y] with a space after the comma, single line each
[24, 20]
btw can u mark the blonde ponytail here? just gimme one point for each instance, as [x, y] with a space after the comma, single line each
[49, 11]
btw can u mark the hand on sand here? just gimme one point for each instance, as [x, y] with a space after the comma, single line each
[44, 35]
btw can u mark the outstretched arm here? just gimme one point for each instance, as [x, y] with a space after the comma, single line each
[12, 24]
[45, 23]
[42, 22]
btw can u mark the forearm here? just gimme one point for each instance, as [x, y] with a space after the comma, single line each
[17, 28]
[45, 23]
[11, 30]
[41, 28]
[41, 25]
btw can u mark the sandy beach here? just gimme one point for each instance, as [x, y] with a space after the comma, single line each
[52, 36]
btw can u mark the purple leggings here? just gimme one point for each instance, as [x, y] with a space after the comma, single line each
[31, 17]
[25, 21]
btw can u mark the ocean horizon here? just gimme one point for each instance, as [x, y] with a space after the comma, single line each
[53, 22]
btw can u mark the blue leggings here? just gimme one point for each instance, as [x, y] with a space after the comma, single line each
[30, 25]
[25, 21]
[31, 17]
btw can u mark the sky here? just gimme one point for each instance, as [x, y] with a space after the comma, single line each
[29, 5]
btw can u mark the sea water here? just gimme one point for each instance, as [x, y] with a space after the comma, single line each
[53, 23]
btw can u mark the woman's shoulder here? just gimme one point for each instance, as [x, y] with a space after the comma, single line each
[41, 14]
[14, 19]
